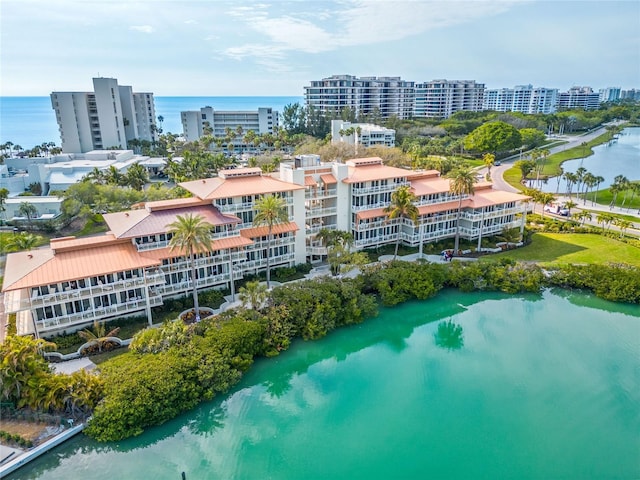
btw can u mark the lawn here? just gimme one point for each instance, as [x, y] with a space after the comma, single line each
[555, 248]
[604, 197]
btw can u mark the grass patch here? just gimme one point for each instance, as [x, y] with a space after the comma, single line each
[630, 218]
[103, 357]
[561, 248]
[95, 224]
[605, 197]
[513, 176]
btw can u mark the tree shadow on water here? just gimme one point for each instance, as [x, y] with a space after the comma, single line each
[449, 335]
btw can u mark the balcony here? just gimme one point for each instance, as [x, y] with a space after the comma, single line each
[317, 193]
[377, 189]
[320, 212]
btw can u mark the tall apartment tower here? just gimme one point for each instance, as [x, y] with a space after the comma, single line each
[443, 98]
[609, 94]
[109, 116]
[195, 123]
[381, 97]
[579, 97]
[521, 98]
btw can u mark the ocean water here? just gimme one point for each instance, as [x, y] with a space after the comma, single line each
[522, 387]
[30, 121]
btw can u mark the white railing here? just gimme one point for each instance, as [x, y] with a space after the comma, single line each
[319, 212]
[320, 193]
[377, 189]
[503, 212]
[371, 206]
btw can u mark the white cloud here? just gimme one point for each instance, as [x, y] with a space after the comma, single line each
[350, 23]
[142, 28]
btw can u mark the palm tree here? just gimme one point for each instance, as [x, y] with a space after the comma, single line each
[598, 181]
[622, 224]
[583, 216]
[99, 335]
[569, 205]
[253, 295]
[28, 210]
[546, 199]
[137, 176]
[488, 159]
[461, 181]
[191, 233]
[24, 241]
[401, 207]
[4, 194]
[270, 210]
[604, 219]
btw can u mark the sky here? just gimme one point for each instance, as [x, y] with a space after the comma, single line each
[276, 47]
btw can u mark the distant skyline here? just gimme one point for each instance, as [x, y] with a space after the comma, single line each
[276, 47]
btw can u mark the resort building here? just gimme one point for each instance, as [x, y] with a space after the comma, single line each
[195, 124]
[521, 98]
[365, 134]
[443, 98]
[132, 268]
[108, 117]
[378, 97]
[631, 94]
[579, 98]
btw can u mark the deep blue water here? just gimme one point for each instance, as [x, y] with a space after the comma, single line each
[30, 121]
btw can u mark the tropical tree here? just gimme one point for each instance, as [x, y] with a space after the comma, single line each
[598, 179]
[28, 210]
[339, 255]
[510, 236]
[402, 206]
[99, 335]
[525, 167]
[622, 224]
[583, 216]
[461, 182]
[270, 211]
[137, 176]
[488, 159]
[23, 241]
[253, 295]
[191, 233]
[4, 194]
[545, 199]
[493, 137]
[113, 176]
[605, 219]
[569, 205]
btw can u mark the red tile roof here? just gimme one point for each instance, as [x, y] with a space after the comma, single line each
[136, 223]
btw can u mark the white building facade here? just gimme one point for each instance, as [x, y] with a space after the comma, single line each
[579, 98]
[443, 98]
[381, 97]
[365, 134]
[521, 98]
[132, 268]
[196, 123]
[108, 117]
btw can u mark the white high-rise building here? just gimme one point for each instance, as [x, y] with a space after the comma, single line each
[443, 98]
[196, 123]
[609, 94]
[579, 97]
[108, 117]
[521, 98]
[381, 97]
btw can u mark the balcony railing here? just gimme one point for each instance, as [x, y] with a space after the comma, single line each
[377, 189]
[320, 193]
[320, 212]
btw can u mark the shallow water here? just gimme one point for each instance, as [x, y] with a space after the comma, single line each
[460, 386]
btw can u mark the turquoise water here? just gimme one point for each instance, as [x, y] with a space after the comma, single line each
[29, 121]
[463, 386]
[621, 157]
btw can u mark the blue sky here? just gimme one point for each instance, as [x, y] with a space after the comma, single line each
[275, 47]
